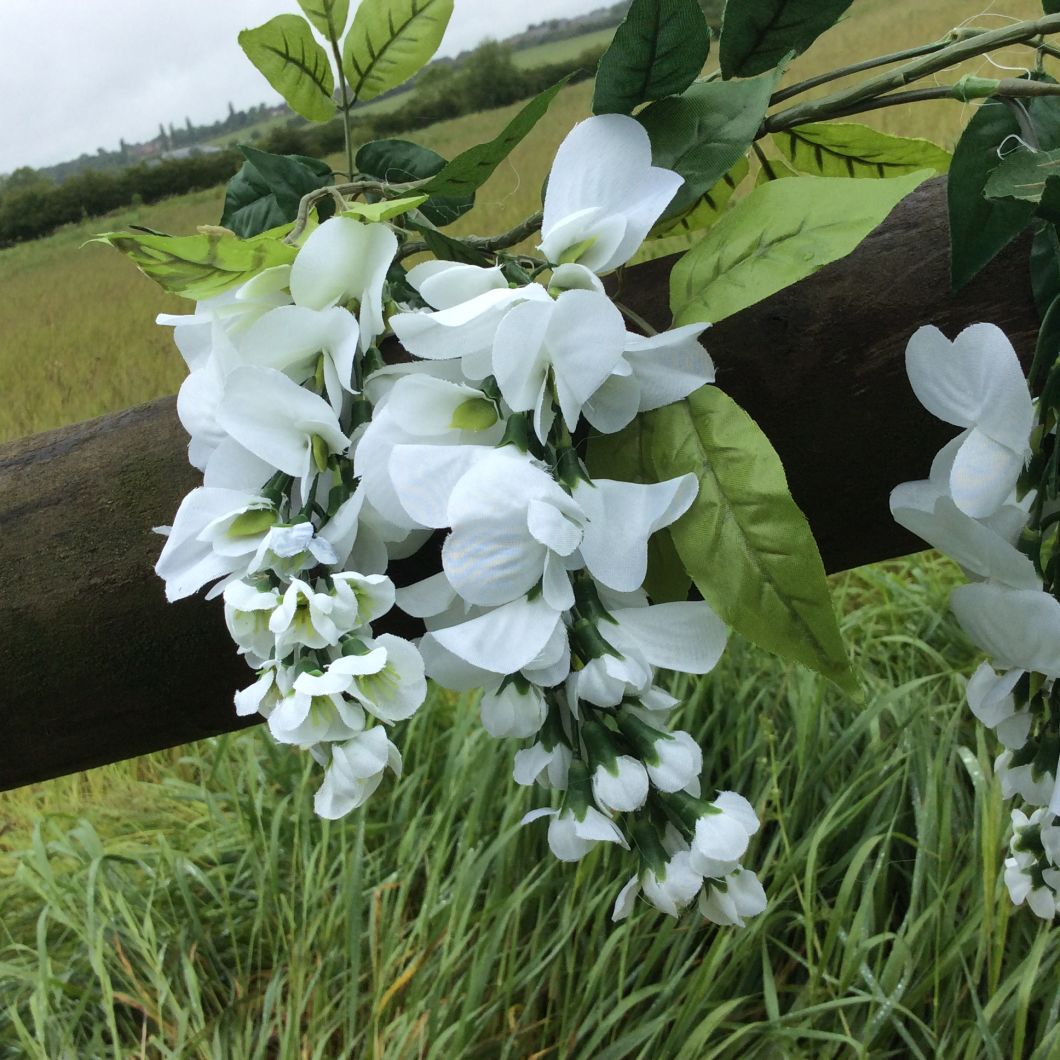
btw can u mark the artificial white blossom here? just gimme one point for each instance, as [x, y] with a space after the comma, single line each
[355, 771]
[722, 834]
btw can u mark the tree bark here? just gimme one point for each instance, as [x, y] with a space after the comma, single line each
[98, 667]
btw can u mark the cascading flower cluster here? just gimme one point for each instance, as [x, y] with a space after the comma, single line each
[321, 464]
[980, 507]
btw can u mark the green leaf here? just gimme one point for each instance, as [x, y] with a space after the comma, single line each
[1051, 7]
[980, 228]
[1022, 175]
[473, 167]
[268, 189]
[390, 40]
[757, 34]
[847, 149]
[1045, 268]
[328, 16]
[777, 169]
[400, 161]
[205, 264]
[294, 63]
[744, 541]
[782, 232]
[680, 233]
[446, 248]
[383, 210]
[658, 50]
[703, 133]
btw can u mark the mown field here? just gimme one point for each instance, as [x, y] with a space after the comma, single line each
[188, 904]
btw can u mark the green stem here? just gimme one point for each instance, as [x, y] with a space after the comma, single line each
[840, 102]
[486, 244]
[1007, 88]
[346, 101]
[871, 64]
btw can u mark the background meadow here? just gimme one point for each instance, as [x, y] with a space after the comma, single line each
[188, 904]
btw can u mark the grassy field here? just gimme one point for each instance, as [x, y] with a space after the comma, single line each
[188, 904]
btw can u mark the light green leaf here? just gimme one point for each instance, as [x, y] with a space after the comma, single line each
[744, 541]
[473, 167]
[704, 132]
[658, 50]
[1022, 175]
[847, 149]
[757, 34]
[328, 16]
[294, 63]
[390, 40]
[205, 264]
[781, 233]
[680, 233]
[778, 170]
[383, 210]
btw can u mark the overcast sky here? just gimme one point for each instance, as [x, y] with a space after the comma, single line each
[80, 74]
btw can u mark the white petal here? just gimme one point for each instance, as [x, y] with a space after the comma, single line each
[688, 637]
[670, 365]
[1018, 628]
[983, 475]
[424, 477]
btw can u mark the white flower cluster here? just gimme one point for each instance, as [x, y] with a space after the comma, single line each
[972, 509]
[321, 464]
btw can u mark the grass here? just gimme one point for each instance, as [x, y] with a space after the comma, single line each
[188, 904]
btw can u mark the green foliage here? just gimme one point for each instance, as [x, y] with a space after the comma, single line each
[267, 190]
[744, 542]
[473, 167]
[201, 265]
[847, 149]
[189, 904]
[400, 161]
[979, 227]
[658, 50]
[294, 63]
[756, 35]
[703, 133]
[782, 232]
[329, 17]
[1022, 175]
[390, 40]
[384, 210]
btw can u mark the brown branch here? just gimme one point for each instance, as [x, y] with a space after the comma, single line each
[97, 667]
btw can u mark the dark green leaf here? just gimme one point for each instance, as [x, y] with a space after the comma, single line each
[744, 541]
[702, 134]
[473, 167]
[390, 40]
[399, 161]
[757, 34]
[1022, 175]
[448, 249]
[1051, 7]
[658, 50]
[328, 16]
[1049, 204]
[1045, 268]
[268, 188]
[294, 63]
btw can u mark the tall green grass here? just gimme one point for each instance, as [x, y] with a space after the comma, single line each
[196, 908]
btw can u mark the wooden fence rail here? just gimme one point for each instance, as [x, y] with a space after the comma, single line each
[97, 667]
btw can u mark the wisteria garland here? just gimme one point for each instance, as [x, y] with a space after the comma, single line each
[321, 464]
[991, 504]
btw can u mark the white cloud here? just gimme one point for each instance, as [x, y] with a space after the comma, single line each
[78, 76]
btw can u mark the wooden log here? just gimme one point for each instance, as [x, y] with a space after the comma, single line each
[98, 667]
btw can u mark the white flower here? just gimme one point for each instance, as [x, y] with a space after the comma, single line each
[671, 891]
[975, 382]
[360, 598]
[983, 547]
[303, 617]
[289, 549]
[314, 711]
[1032, 785]
[603, 194]
[677, 763]
[247, 613]
[355, 772]
[345, 262]
[513, 711]
[285, 425]
[991, 700]
[543, 759]
[729, 900]
[571, 837]
[570, 345]
[1018, 628]
[215, 533]
[721, 835]
[620, 785]
[272, 684]
[653, 372]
